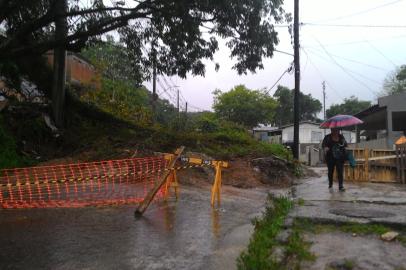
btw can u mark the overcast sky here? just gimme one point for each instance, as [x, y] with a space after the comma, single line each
[352, 60]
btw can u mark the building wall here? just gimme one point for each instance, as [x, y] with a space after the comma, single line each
[78, 71]
[393, 103]
[307, 134]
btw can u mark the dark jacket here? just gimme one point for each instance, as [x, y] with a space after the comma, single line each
[336, 149]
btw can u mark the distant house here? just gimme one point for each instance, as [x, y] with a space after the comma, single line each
[310, 133]
[310, 137]
[383, 123]
[79, 70]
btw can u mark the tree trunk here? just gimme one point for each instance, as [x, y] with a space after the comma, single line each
[59, 72]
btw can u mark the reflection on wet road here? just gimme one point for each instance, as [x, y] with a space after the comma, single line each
[187, 234]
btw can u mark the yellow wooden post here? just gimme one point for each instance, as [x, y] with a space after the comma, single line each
[219, 184]
[216, 189]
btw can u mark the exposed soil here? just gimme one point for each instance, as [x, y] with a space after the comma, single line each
[242, 173]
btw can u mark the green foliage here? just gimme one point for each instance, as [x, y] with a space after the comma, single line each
[115, 61]
[8, 150]
[257, 255]
[244, 106]
[121, 99]
[298, 248]
[309, 106]
[350, 106]
[226, 140]
[395, 82]
[357, 228]
[174, 27]
[207, 122]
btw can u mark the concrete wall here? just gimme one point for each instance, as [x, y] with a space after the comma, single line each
[393, 103]
[380, 143]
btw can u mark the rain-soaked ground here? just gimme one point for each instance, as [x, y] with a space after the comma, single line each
[187, 234]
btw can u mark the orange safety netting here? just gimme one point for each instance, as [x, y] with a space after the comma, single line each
[82, 184]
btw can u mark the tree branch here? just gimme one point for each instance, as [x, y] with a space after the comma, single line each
[95, 30]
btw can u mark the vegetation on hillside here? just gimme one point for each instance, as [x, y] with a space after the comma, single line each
[244, 106]
[350, 106]
[116, 120]
[309, 107]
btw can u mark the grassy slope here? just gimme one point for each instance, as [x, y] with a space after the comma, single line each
[91, 134]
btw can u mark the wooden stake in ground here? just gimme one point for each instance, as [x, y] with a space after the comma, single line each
[150, 196]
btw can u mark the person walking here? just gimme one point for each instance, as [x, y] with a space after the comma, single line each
[334, 145]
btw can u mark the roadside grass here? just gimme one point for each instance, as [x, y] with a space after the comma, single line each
[297, 249]
[264, 241]
[257, 256]
[353, 228]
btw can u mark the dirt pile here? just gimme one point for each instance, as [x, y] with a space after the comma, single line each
[244, 173]
[273, 170]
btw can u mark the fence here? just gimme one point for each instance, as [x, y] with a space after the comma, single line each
[377, 165]
[125, 181]
[81, 184]
[401, 162]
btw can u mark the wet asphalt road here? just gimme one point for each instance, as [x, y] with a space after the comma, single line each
[187, 234]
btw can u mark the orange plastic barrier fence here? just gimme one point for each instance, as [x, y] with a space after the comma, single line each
[83, 184]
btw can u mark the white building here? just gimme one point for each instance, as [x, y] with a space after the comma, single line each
[310, 137]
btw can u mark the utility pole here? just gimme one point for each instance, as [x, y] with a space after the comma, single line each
[324, 104]
[59, 65]
[186, 113]
[178, 105]
[154, 95]
[297, 81]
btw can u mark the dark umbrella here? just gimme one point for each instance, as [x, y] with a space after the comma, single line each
[340, 121]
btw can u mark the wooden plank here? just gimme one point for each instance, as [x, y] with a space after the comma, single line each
[150, 196]
[382, 165]
[377, 158]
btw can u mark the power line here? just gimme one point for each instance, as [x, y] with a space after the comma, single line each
[322, 77]
[280, 77]
[353, 25]
[349, 70]
[282, 52]
[378, 51]
[343, 69]
[358, 41]
[351, 60]
[359, 12]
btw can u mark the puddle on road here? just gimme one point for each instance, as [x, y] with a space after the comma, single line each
[171, 235]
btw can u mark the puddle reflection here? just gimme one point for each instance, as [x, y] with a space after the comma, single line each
[215, 222]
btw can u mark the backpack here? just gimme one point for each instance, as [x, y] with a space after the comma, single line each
[338, 152]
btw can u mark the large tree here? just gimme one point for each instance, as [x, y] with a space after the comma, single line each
[182, 32]
[309, 106]
[115, 61]
[395, 82]
[170, 35]
[244, 106]
[350, 106]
